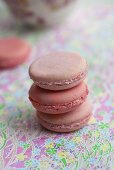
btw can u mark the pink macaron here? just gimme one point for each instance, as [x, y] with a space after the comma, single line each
[13, 51]
[55, 102]
[58, 70]
[67, 122]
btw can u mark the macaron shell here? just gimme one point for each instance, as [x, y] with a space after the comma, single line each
[14, 62]
[66, 128]
[13, 51]
[58, 70]
[69, 121]
[55, 102]
[63, 85]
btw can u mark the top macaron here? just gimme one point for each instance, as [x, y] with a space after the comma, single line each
[58, 70]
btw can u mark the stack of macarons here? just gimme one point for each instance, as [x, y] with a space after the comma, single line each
[59, 93]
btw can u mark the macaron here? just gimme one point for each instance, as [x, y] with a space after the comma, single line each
[13, 51]
[58, 70]
[55, 102]
[67, 122]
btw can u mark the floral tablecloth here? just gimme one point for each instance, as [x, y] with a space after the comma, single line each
[24, 144]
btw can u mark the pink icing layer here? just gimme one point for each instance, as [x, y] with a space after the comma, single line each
[61, 107]
[73, 125]
[80, 76]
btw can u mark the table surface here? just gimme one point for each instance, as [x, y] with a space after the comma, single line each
[24, 144]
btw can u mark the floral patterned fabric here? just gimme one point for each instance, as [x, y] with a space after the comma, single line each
[24, 144]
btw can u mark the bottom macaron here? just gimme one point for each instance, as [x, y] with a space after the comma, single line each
[67, 122]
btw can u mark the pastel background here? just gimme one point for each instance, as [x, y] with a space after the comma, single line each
[24, 144]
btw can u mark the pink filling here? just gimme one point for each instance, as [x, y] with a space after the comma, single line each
[64, 106]
[81, 75]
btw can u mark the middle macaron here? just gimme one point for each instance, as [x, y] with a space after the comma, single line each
[56, 102]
